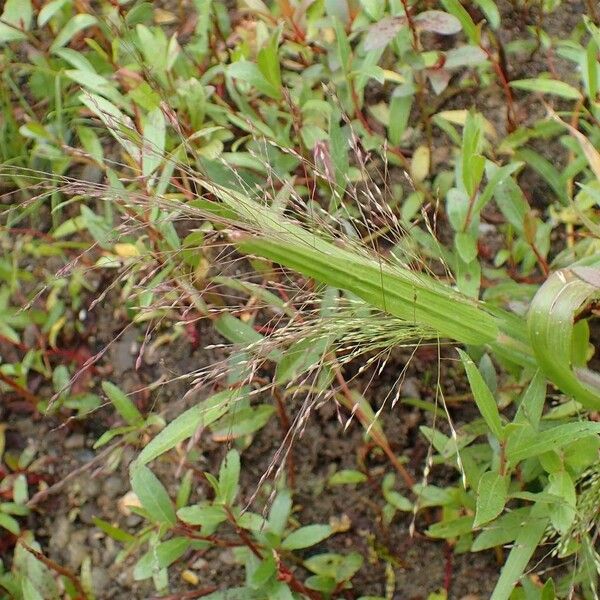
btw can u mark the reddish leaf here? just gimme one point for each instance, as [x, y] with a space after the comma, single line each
[382, 33]
[439, 79]
[438, 21]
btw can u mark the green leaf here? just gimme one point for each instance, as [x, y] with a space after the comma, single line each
[336, 566]
[241, 593]
[466, 245]
[72, 28]
[49, 10]
[527, 443]
[563, 512]
[473, 163]
[451, 528]
[338, 148]
[491, 12]
[241, 422]
[229, 476]
[268, 61]
[397, 500]
[491, 497]
[343, 45]
[503, 530]
[251, 521]
[280, 512]
[237, 331]
[525, 544]
[160, 557]
[306, 537]
[125, 407]
[115, 533]
[547, 170]
[532, 402]
[495, 177]
[30, 592]
[400, 292]
[16, 18]
[510, 199]
[205, 515]
[250, 73]
[400, 107]
[184, 426]
[154, 141]
[347, 476]
[483, 397]
[152, 495]
[550, 325]
[471, 30]
[9, 523]
[265, 571]
[547, 86]
[20, 491]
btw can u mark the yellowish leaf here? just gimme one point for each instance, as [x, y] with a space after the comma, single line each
[419, 166]
[164, 17]
[55, 330]
[459, 117]
[190, 577]
[126, 250]
[393, 76]
[592, 155]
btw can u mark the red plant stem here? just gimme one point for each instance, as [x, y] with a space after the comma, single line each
[58, 569]
[285, 425]
[448, 568]
[470, 210]
[379, 440]
[543, 264]
[213, 539]
[284, 574]
[357, 111]
[18, 345]
[243, 534]
[505, 84]
[19, 389]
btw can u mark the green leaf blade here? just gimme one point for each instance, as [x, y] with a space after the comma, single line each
[483, 396]
[153, 496]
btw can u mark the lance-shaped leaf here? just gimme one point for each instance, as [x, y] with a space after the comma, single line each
[438, 21]
[413, 297]
[562, 298]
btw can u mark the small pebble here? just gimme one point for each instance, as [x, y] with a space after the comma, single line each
[77, 548]
[200, 563]
[75, 441]
[226, 557]
[133, 520]
[91, 487]
[101, 580]
[112, 486]
[410, 388]
[84, 456]
[87, 513]
[59, 539]
[128, 500]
